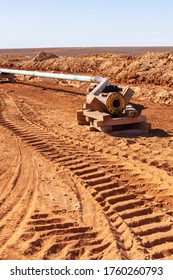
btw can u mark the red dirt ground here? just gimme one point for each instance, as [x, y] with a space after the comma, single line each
[70, 193]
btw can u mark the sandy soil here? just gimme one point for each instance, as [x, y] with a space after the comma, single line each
[69, 193]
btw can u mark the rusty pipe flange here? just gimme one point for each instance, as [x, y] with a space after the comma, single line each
[115, 103]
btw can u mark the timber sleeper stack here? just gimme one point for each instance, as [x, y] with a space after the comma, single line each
[127, 122]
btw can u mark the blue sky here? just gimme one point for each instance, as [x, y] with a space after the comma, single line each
[77, 23]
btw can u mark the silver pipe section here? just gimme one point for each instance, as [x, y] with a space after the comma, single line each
[102, 82]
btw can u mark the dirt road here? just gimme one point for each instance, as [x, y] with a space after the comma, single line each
[68, 193]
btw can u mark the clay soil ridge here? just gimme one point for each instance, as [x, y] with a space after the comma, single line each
[151, 74]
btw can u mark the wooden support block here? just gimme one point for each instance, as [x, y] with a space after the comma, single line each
[84, 122]
[86, 106]
[130, 111]
[97, 115]
[97, 105]
[130, 125]
[80, 115]
[119, 121]
[128, 93]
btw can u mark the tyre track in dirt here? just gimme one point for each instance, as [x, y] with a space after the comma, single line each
[139, 224]
[14, 199]
[66, 234]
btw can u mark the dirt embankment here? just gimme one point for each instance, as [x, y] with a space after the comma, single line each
[151, 74]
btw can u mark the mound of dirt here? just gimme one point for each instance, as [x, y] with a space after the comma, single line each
[152, 72]
[1, 60]
[151, 68]
[44, 56]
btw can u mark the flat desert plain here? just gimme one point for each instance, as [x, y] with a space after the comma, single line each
[70, 193]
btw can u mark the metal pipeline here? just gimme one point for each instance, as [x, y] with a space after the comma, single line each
[114, 103]
[102, 82]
